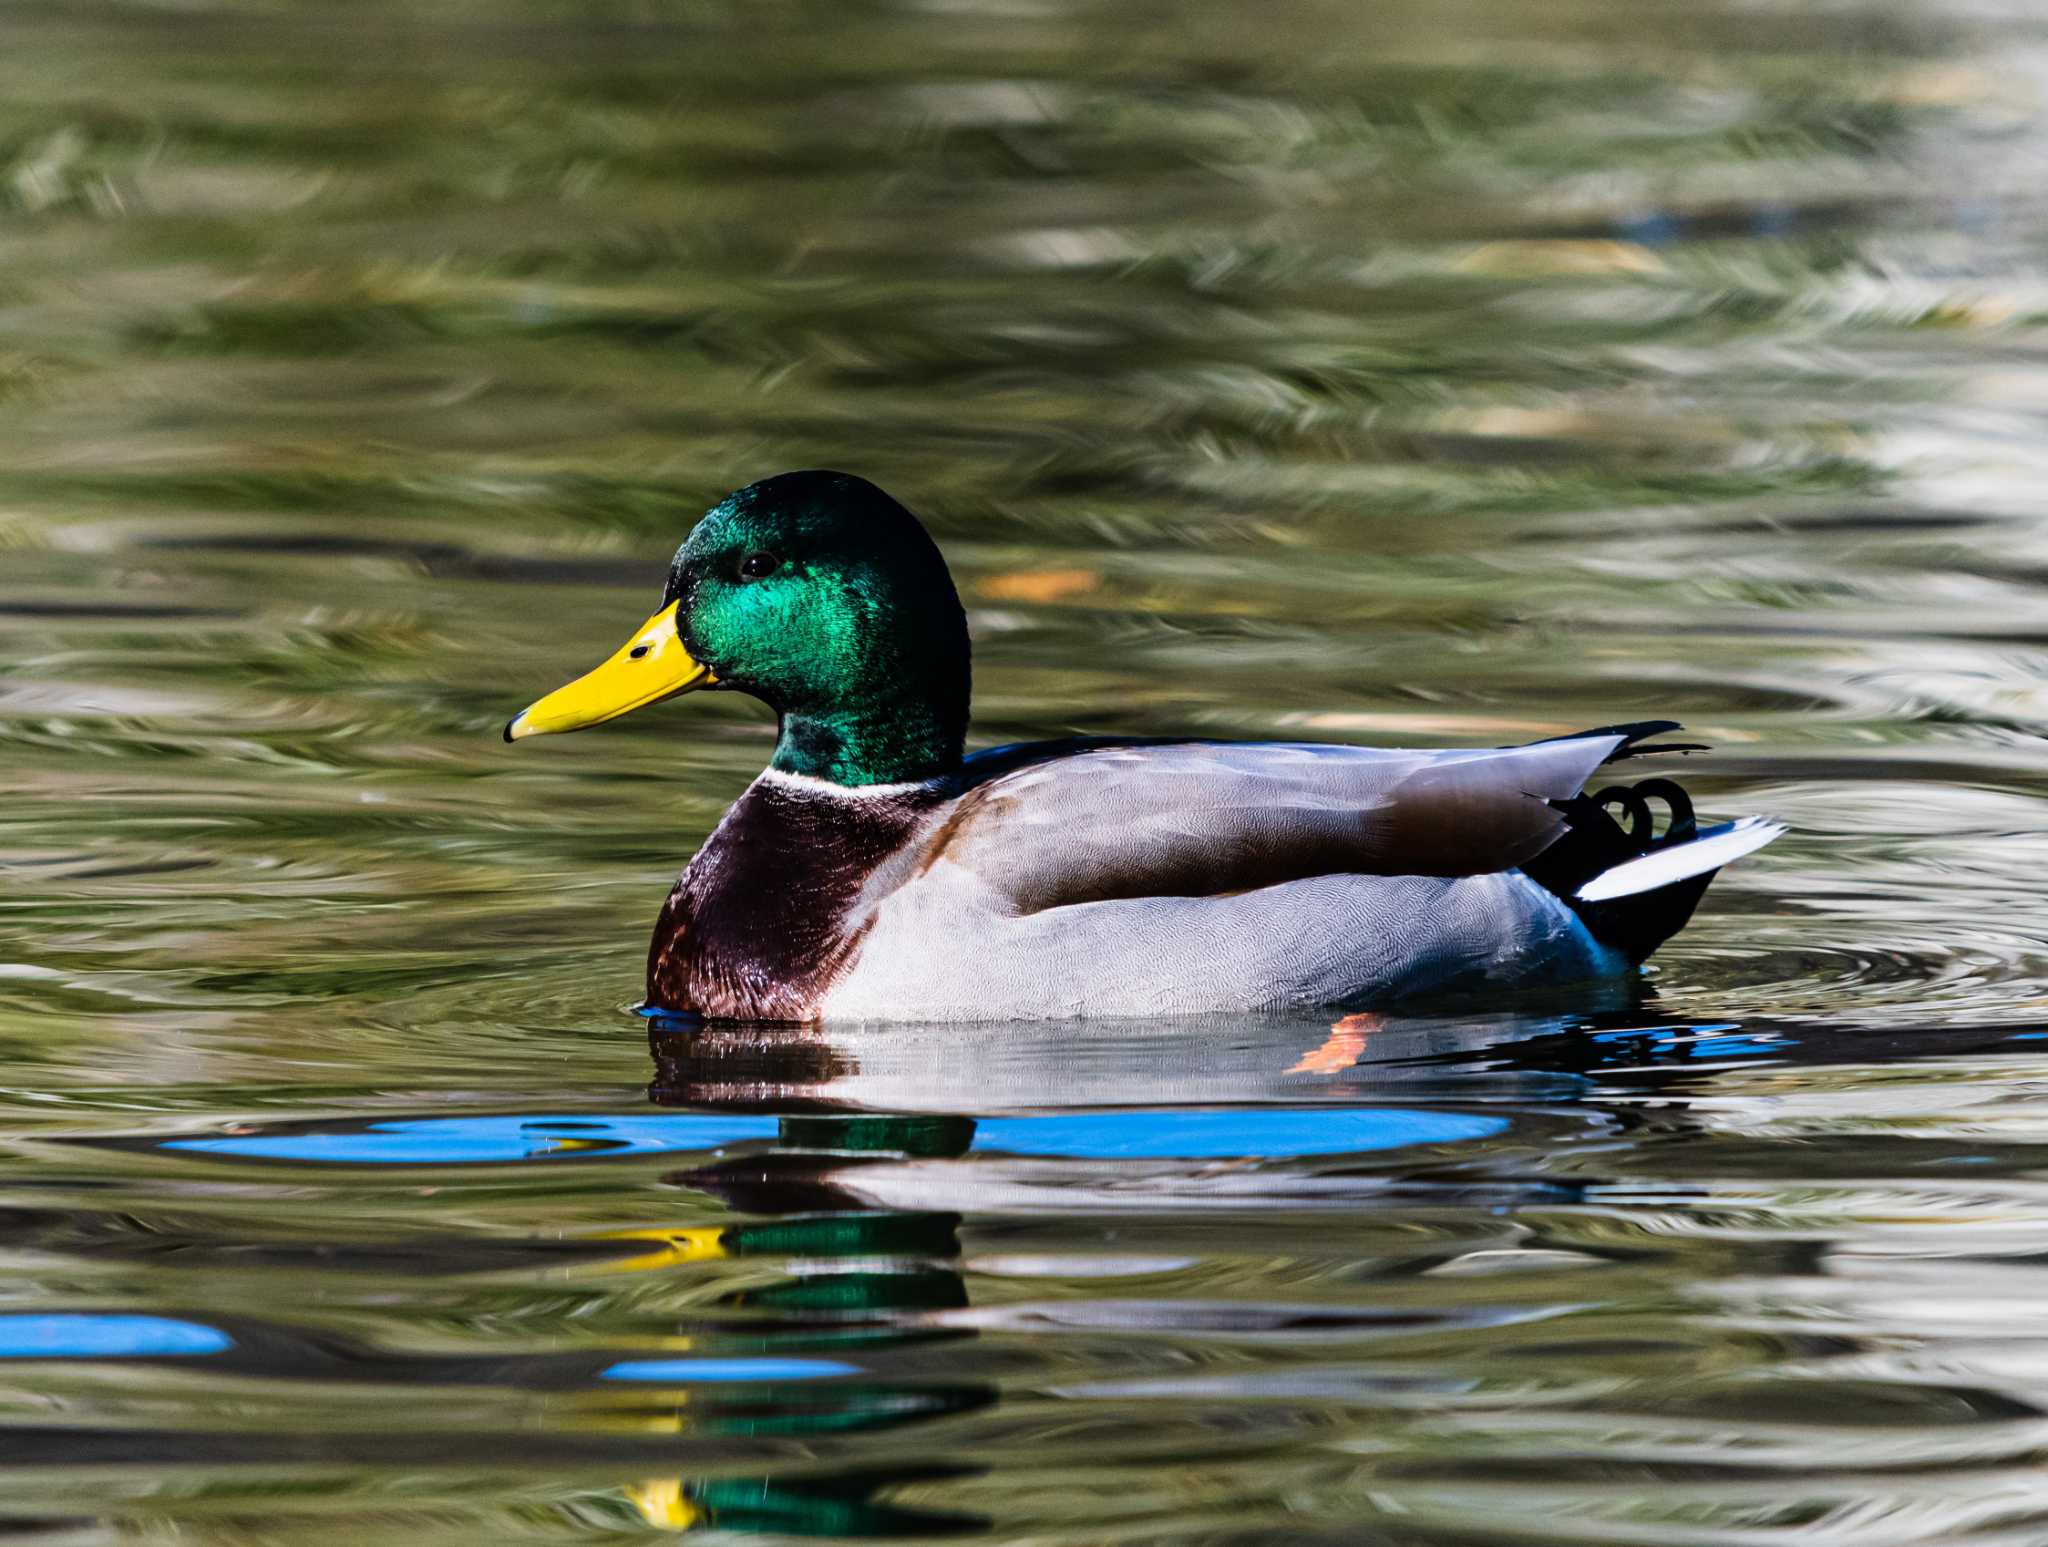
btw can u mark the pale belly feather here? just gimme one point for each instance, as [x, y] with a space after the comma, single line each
[941, 948]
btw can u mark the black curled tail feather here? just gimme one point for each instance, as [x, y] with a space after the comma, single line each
[1594, 842]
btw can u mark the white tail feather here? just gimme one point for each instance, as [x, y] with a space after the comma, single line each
[1713, 848]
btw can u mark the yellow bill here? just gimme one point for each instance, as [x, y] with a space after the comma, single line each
[706, 1243]
[663, 1504]
[647, 668]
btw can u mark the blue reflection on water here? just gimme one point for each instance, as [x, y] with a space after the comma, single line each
[682, 1371]
[1083, 1135]
[97, 1335]
[456, 1140]
[1229, 1135]
[1705, 1040]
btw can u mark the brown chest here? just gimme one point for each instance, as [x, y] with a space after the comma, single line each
[769, 914]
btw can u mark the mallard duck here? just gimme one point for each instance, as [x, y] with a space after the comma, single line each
[875, 872]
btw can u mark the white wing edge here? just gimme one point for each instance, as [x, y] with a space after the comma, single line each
[1715, 847]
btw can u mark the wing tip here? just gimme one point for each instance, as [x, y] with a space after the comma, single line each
[1628, 738]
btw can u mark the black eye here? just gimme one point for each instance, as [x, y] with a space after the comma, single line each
[637, 651]
[758, 566]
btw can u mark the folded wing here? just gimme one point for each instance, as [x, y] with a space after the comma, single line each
[1192, 819]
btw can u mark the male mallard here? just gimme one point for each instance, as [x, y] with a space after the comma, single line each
[874, 873]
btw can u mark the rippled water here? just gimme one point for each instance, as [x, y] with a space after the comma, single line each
[1419, 374]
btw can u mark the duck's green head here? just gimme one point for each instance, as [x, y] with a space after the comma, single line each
[825, 599]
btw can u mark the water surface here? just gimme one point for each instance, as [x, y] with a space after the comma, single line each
[1414, 374]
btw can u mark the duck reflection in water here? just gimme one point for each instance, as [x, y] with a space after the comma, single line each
[880, 1145]
[930, 1167]
[1156, 1114]
[858, 1280]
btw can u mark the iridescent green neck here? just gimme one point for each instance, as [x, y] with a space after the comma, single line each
[825, 599]
[904, 741]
